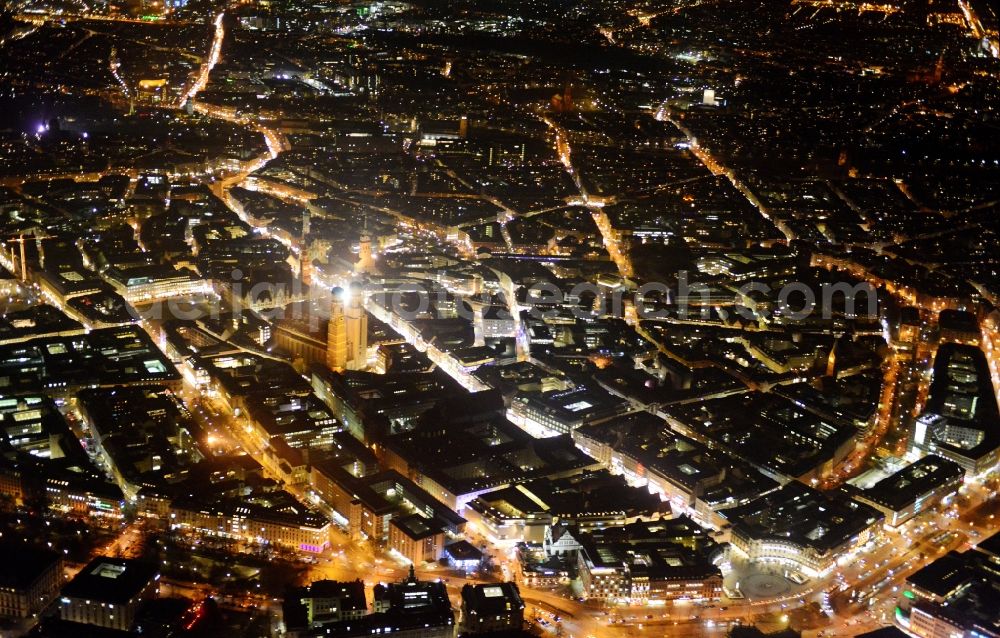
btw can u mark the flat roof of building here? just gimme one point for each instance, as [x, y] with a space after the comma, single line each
[990, 546]
[913, 481]
[491, 598]
[884, 632]
[417, 527]
[22, 565]
[799, 514]
[581, 403]
[351, 593]
[111, 580]
[463, 550]
[943, 576]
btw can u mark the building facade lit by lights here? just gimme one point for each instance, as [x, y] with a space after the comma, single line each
[347, 332]
[108, 592]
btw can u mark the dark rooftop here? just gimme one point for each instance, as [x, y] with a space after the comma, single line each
[111, 580]
[23, 565]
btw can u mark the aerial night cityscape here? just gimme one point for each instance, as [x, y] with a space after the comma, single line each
[500, 318]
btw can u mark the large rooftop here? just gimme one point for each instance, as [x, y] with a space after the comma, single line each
[111, 580]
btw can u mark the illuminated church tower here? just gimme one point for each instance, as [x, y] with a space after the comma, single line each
[336, 333]
[347, 332]
[356, 324]
[366, 263]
